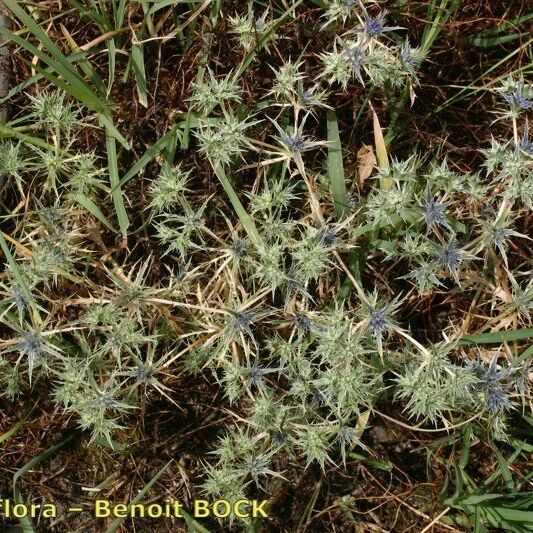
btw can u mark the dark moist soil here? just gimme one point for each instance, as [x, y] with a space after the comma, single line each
[399, 498]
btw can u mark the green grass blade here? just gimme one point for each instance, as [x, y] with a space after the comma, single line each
[493, 37]
[336, 167]
[492, 42]
[264, 39]
[437, 18]
[93, 14]
[72, 82]
[524, 356]
[149, 155]
[37, 460]
[444, 12]
[95, 211]
[112, 130]
[515, 515]
[244, 217]
[73, 90]
[39, 33]
[193, 525]
[497, 337]
[119, 10]
[84, 63]
[505, 471]
[140, 495]
[462, 93]
[34, 79]
[161, 4]
[17, 494]
[137, 57]
[116, 190]
[8, 434]
[111, 64]
[7, 132]
[62, 65]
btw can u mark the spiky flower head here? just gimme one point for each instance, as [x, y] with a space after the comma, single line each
[14, 163]
[250, 29]
[526, 144]
[425, 278]
[339, 9]
[242, 322]
[20, 300]
[433, 213]
[355, 57]
[72, 378]
[337, 67]
[287, 77]
[223, 139]
[264, 411]
[450, 257]
[168, 188]
[312, 256]
[53, 110]
[491, 381]
[269, 266]
[411, 58]
[522, 299]
[375, 26]
[302, 323]
[224, 481]
[519, 96]
[379, 317]
[348, 438]
[295, 143]
[239, 247]
[256, 375]
[35, 350]
[33, 347]
[212, 91]
[496, 234]
[315, 443]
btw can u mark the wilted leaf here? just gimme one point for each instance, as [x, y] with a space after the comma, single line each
[412, 94]
[366, 161]
[362, 422]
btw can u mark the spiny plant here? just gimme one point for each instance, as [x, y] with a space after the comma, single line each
[254, 300]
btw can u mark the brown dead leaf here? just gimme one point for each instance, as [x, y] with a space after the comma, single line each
[412, 94]
[366, 161]
[362, 422]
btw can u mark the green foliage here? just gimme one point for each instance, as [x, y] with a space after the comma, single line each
[247, 290]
